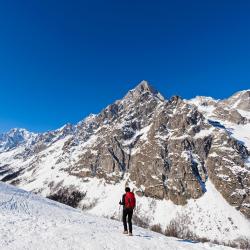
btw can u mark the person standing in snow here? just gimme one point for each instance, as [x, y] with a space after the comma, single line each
[128, 202]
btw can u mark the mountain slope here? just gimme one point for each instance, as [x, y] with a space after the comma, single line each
[177, 155]
[32, 222]
[232, 116]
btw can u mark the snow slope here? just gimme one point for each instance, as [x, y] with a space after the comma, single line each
[31, 222]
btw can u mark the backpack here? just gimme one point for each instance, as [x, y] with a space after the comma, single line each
[130, 200]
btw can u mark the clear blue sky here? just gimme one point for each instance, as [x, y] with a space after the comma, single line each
[61, 60]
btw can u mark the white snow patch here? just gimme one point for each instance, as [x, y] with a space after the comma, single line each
[31, 222]
[203, 133]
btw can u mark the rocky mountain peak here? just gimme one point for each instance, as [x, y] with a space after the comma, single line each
[143, 89]
[15, 131]
[240, 100]
[144, 86]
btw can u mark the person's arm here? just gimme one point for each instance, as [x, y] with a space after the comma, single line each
[123, 200]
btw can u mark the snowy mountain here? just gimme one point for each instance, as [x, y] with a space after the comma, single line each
[235, 109]
[31, 222]
[240, 100]
[16, 137]
[186, 160]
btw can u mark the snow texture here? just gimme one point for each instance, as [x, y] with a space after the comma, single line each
[31, 222]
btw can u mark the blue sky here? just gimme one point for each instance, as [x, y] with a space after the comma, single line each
[61, 60]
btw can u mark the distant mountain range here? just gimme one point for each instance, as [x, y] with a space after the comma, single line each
[188, 162]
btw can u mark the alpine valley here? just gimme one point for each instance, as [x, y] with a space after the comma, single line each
[187, 161]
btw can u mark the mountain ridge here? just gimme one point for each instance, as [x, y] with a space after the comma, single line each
[146, 86]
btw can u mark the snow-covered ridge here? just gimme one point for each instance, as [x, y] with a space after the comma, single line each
[16, 137]
[207, 105]
[32, 222]
[240, 101]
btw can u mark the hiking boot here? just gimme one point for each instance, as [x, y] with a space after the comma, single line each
[125, 232]
[130, 234]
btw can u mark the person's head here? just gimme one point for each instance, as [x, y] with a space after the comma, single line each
[127, 189]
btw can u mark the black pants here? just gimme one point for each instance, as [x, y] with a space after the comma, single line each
[129, 213]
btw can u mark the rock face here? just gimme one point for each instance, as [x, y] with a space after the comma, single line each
[226, 168]
[168, 148]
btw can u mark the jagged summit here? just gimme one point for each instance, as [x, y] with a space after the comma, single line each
[17, 130]
[15, 137]
[142, 88]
